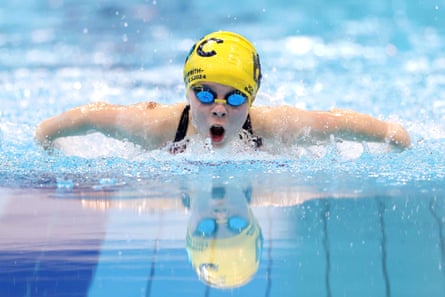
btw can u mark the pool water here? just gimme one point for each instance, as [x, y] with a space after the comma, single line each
[99, 217]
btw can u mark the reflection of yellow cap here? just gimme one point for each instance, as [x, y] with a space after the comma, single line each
[226, 58]
[226, 262]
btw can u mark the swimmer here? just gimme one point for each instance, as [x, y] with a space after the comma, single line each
[222, 75]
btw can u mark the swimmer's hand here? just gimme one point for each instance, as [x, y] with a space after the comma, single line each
[46, 144]
[397, 135]
[42, 138]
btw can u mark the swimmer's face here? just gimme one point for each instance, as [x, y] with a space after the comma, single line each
[218, 121]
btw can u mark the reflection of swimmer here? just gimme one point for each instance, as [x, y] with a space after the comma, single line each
[224, 240]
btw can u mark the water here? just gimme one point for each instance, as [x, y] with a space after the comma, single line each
[100, 217]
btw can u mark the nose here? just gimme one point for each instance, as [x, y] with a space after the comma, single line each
[219, 111]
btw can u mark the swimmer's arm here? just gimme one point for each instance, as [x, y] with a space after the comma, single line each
[293, 125]
[147, 124]
[352, 125]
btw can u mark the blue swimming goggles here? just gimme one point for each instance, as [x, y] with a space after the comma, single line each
[206, 95]
[208, 227]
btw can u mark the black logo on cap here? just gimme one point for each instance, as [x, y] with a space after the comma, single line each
[200, 50]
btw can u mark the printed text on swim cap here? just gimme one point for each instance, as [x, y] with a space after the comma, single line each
[194, 74]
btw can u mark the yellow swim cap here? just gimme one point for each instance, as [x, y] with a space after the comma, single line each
[226, 262]
[226, 58]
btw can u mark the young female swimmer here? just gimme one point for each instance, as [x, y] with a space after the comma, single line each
[222, 75]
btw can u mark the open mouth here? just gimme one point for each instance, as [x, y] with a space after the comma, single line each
[217, 133]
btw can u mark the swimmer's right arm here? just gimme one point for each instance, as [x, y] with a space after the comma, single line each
[145, 124]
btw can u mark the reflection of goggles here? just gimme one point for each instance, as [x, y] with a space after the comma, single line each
[206, 95]
[209, 226]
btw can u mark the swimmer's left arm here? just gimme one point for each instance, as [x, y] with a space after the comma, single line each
[362, 127]
[291, 125]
